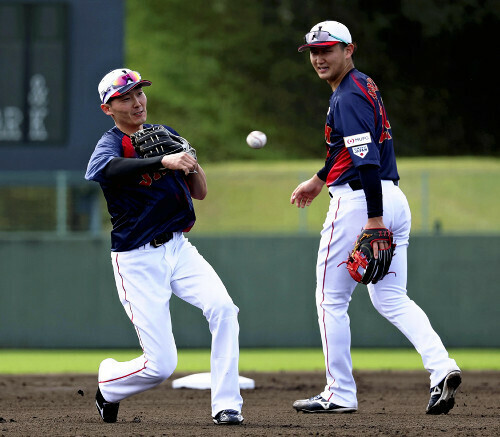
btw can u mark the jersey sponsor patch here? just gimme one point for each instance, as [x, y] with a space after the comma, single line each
[360, 151]
[358, 140]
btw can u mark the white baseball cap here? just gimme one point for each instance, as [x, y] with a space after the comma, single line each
[326, 33]
[118, 82]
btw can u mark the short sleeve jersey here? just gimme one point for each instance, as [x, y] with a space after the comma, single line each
[142, 206]
[357, 132]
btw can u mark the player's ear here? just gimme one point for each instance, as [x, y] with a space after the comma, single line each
[106, 108]
[349, 50]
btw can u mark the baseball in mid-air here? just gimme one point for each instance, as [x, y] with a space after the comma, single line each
[256, 139]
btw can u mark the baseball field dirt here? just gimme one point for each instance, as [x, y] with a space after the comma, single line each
[390, 404]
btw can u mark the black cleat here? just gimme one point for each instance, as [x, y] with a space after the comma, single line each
[318, 404]
[107, 410]
[228, 417]
[443, 395]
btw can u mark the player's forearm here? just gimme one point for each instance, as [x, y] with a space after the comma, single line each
[197, 183]
[317, 182]
[120, 168]
[372, 186]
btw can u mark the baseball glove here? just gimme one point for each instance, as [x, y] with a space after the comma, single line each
[158, 141]
[362, 265]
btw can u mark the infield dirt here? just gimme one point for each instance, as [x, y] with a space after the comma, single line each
[390, 404]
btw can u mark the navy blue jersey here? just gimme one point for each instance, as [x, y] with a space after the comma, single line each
[143, 206]
[357, 132]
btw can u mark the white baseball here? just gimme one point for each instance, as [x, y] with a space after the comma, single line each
[256, 139]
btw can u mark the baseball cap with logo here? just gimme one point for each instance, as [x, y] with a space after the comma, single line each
[118, 82]
[326, 33]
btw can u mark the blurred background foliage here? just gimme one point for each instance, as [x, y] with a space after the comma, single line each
[221, 69]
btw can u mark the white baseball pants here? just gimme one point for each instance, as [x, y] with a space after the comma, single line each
[145, 279]
[346, 217]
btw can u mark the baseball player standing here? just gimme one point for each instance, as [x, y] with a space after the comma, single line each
[150, 203]
[362, 179]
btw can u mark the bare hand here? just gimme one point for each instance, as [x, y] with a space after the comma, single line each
[306, 192]
[180, 161]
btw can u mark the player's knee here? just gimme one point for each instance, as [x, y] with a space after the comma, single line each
[390, 305]
[226, 309]
[336, 301]
[163, 373]
[221, 309]
[223, 316]
[161, 370]
[381, 308]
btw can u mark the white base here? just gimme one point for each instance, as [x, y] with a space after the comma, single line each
[201, 381]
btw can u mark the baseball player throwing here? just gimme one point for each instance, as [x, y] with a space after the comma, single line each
[150, 203]
[362, 179]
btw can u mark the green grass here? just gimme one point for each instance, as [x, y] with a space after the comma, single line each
[458, 193]
[20, 361]
[254, 197]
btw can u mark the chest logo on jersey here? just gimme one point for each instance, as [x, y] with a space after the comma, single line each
[147, 178]
[360, 151]
[357, 140]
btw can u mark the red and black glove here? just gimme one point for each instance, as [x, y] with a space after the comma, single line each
[361, 263]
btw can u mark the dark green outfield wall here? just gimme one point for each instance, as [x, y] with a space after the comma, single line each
[60, 293]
